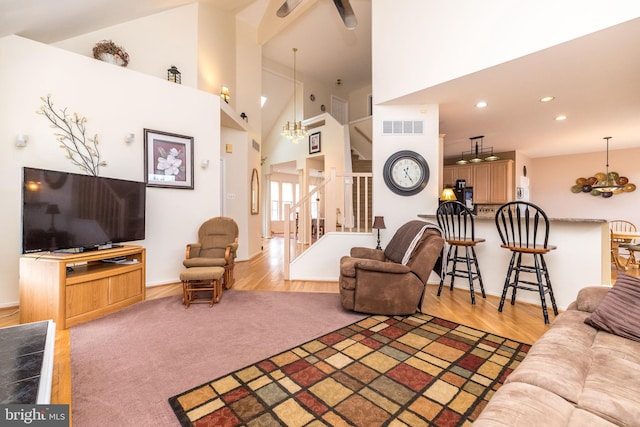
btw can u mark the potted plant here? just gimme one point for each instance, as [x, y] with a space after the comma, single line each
[108, 51]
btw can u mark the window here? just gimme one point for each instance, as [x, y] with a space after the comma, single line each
[287, 196]
[275, 200]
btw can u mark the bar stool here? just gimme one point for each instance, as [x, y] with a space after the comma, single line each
[457, 224]
[524, 230]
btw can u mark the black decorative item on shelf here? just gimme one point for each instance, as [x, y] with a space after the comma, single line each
[173, 75]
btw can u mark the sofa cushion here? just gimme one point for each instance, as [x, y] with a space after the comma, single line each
[523, 405]
[560, 360]
[612, 387]
[619, 312]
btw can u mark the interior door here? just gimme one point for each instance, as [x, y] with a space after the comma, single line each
[339, 110]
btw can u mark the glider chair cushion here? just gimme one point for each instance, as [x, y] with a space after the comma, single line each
[216, 247]
[391, 282]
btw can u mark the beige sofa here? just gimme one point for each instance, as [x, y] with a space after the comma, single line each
[575, 374]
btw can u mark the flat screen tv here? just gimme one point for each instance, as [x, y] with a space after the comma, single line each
[74, 212]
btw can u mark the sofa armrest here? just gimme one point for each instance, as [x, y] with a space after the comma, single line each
[381, 266]
[590, 297]
[367, 253]
[350, 265]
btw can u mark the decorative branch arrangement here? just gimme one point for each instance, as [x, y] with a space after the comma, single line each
[81, 150]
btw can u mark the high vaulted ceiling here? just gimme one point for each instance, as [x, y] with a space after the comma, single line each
[595, 79]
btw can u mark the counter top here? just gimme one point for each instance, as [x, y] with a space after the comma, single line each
[481, 218]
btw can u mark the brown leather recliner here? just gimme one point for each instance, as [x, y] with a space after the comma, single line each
[216, 247]
[391, 282]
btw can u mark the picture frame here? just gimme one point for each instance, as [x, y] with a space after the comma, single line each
[168, 160]
[314, 143]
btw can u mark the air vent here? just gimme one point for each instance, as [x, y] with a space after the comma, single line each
[400, 127]
[255, 145]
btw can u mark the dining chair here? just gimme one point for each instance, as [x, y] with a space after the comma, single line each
[457, 224]
[621, 225]
[524, 230]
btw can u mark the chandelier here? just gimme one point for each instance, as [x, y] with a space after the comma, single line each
[604, 184]
[294, 130]
[477, 152]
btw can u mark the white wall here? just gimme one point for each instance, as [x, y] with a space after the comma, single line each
[397, 209]
[154, 43]
[427, 42]
[358, 100]
[552, 178]
[216, 50]
[116, 101]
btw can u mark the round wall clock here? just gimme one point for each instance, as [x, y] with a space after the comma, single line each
[406, 173]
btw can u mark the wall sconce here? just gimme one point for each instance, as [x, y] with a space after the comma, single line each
[21, 140]
[204, 164]
[378, 223]
[130, 138]
[244, 117]
[173, 75]
[224, 94]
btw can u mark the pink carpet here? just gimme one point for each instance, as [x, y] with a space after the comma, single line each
[126, 365]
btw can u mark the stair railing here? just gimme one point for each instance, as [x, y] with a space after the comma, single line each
[350, 215]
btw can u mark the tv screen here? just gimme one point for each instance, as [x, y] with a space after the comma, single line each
[62, 210]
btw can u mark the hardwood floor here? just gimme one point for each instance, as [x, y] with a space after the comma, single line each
[522, 322]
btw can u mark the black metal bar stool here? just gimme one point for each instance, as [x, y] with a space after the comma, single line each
[524, 230]
[456, 222]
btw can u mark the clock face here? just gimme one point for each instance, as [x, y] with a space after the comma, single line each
[406, 173]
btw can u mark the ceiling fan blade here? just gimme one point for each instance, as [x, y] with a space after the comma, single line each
[346, 13]
[287, 7]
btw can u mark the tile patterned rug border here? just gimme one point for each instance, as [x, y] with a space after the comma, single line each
[382, 370]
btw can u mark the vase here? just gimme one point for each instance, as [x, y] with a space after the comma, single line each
[111, 59]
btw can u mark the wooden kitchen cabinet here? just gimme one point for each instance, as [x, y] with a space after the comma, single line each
[450, 174]
[74, 288]
[501, 183]
[492, 182]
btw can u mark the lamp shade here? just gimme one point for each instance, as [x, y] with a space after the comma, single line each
[52, 209]
[447, 195]
[378, 223]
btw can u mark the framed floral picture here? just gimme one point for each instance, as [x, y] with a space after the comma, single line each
[168, 160]
[314, 143]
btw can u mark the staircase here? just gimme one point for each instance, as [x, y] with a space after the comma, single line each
[363, 166]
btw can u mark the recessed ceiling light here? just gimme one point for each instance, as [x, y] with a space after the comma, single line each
[560, 118]
[481, 104]
[547, 98]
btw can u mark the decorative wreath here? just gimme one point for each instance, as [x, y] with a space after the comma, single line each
[109, 47]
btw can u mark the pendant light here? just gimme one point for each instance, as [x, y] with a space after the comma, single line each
[477, 152]
[294, 130]
[604, 184]
[608, 184]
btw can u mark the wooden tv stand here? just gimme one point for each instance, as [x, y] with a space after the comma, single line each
[71, 288]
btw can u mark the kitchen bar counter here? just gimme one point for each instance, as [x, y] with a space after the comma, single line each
[581, 259]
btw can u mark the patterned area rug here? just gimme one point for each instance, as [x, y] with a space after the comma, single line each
[402, 370]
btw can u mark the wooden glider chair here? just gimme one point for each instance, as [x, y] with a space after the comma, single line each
[391, 281]
[216, 247]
